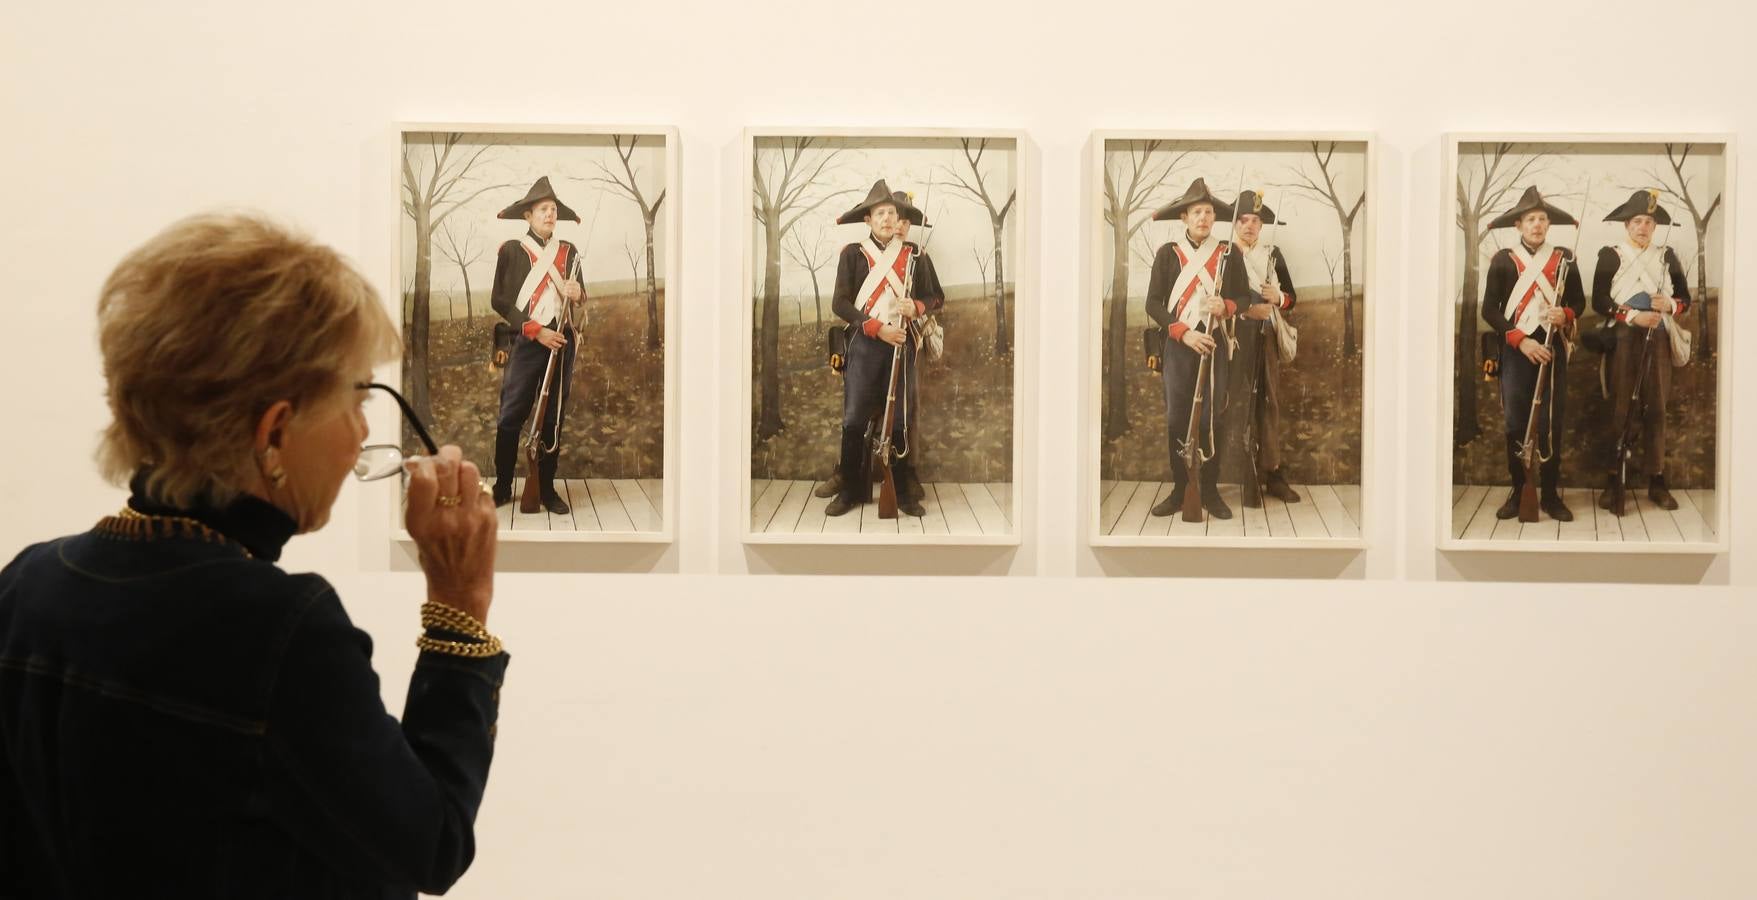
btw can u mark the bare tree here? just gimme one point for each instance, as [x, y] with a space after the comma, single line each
[1322, 187]
[1329, 266]
[1677, 187]
[975, 190]
[812, 258]
[1480, 192]
[627, 182]
[462, 254]
[981, 263]
[1133, 182]
[785, 189]
[439, 177]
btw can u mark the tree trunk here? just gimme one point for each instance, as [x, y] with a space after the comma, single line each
[415, 366]
[1002, 346]
[1116, 422]
[817, 300]
[652, 290]
[1705, 339]
[1348, 342]
[1464, 426]
[769, 424]
[469, 313]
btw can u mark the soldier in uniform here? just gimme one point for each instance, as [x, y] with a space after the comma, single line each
[869, 295]
[533, 275]
[929, 284]
[1256, 367]
[1191, 292]
[1529, 301]
[1641, 287]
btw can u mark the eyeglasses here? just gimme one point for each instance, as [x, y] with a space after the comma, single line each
[384, 460]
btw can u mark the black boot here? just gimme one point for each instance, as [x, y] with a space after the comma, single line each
[1173, 502]
[1554, 507]
[1509, 507]
[1656, 491]
[1611, 486]
[1211, 501]
[853, 461]
[1278, 488]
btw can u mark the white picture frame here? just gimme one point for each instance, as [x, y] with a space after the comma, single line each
[627, 518]
[1588, 534]
[1023, 347]
[1343, 526]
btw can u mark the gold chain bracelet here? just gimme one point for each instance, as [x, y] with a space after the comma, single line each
[491, 647]
[450, 618]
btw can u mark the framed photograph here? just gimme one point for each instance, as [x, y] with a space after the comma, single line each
[1228, 303]
[880, 295]
[1584, 276]
[533, 263]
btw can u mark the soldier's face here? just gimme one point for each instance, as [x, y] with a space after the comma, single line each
[882, 219]
[1198, 221]
[1534, 226]
[1640, 230]
[1246, 227]
[541, 217]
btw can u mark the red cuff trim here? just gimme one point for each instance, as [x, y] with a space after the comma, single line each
[1178, 330]
[1231, 308]
[1569, 312]
[870, 327]
[920, 308]
[1683, 307]
[1515, 338]
[1623, 314]
[532, 327]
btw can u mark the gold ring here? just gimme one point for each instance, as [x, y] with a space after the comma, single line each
[448, 501]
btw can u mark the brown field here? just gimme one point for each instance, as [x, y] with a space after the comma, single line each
[616, 405]
[1589, 445]
[1320, 405]
[965, 429]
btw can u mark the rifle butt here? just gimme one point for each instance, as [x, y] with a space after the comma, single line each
[1619, 505]
[531, 498]
[1528, 497]
[887, 503]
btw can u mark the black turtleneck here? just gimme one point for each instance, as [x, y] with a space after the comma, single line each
[257, 525]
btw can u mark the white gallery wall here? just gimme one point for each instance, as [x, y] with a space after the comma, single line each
[986, 723]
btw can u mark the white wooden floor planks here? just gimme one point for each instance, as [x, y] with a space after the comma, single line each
[1324, 511]
[1473, 518]
[789, 507]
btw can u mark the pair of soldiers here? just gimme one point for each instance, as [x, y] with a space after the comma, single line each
[885, 285]
[1222, 300]
[1532, 297]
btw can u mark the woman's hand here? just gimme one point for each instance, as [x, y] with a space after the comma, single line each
[453, 524]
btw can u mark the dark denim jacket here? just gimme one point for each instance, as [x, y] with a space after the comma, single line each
[180, 720]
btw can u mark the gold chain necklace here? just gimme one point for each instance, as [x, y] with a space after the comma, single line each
[135, 525]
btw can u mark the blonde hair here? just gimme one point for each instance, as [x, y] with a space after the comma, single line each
[206, 326]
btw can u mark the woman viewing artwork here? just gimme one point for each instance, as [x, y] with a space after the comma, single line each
[178, 714]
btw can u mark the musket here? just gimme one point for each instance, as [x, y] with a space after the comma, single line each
[1253, 491]
[531, 499]
[881, 454]
[1194, 454]
[1531, 453]
[1626, 438]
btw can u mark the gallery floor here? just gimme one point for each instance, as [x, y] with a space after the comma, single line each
[1473, 518]
[599, 504]
[1324, 511]
[788, 507]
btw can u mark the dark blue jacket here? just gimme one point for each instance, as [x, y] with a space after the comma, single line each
[179, 719]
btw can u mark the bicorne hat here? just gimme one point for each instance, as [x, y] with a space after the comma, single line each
[1251, 203]
[881, 193]
[540, 191]
[1531, 201]
[1198, 193]
[1641, 203]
